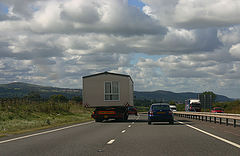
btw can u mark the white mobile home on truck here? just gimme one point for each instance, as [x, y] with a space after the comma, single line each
[109, 93]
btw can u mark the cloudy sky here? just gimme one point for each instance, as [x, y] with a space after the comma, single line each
[174, 45]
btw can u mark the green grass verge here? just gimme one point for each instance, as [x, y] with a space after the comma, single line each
[13, 123]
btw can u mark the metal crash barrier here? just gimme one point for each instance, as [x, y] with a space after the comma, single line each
[211, 117]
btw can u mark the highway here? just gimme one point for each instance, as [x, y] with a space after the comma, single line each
[134, 137]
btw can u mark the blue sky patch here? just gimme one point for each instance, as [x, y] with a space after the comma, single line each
[137, 3]
[137, 56]
[3, 8]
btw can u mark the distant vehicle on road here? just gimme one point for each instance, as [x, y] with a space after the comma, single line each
[192, 105]
[132, 110]
[217, 110]
[173, 108]
[160, 112]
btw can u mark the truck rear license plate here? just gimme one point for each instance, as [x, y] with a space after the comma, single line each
[105, 116]
[106, 112]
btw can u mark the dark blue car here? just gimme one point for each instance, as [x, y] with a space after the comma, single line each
[160, 112]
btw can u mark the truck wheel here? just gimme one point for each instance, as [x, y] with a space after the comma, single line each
[118, 119]
[125, 117]
[98, 120]
[149, 122]
[171, 122]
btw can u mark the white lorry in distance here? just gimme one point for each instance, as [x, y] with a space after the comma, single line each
[192, 105]
[173, 108]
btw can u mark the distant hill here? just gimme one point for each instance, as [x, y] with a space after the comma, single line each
[161, 95]
[19, 89]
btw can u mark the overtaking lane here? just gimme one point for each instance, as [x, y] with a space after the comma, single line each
[165, 139]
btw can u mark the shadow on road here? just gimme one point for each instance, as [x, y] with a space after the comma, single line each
[128, 121]
[165, 123]
[145, 121]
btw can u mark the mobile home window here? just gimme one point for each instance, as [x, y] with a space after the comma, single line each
[111, 91]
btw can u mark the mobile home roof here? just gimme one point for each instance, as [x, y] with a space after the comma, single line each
[108, 73]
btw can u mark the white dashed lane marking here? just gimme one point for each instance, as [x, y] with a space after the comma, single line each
[123, 131]
[111, 142]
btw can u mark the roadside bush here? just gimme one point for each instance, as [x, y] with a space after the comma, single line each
[22, 114]
[22, 108]
[180, 107]
[229, 107]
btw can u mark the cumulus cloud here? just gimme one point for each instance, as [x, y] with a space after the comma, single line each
[109, 17]
[56, 42]
[21, 9]
[195, 14]
[179, 41]
[229, 35]
[187, 73]
[235, 51]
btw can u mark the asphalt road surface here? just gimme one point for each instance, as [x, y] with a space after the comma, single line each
[134, 137]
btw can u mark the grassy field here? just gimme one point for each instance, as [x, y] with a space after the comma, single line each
[22, 116]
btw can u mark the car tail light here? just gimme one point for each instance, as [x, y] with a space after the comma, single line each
[151, 113]
[170, 112]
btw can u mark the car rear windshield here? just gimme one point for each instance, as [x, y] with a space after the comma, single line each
[160, 107]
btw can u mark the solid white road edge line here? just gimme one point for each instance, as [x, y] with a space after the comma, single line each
[138, 117]
[50, 131]
[212, 135]
[110, 142]
[123, 131]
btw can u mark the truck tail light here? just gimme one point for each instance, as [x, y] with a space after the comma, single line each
[93, 114]
[151, 113]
